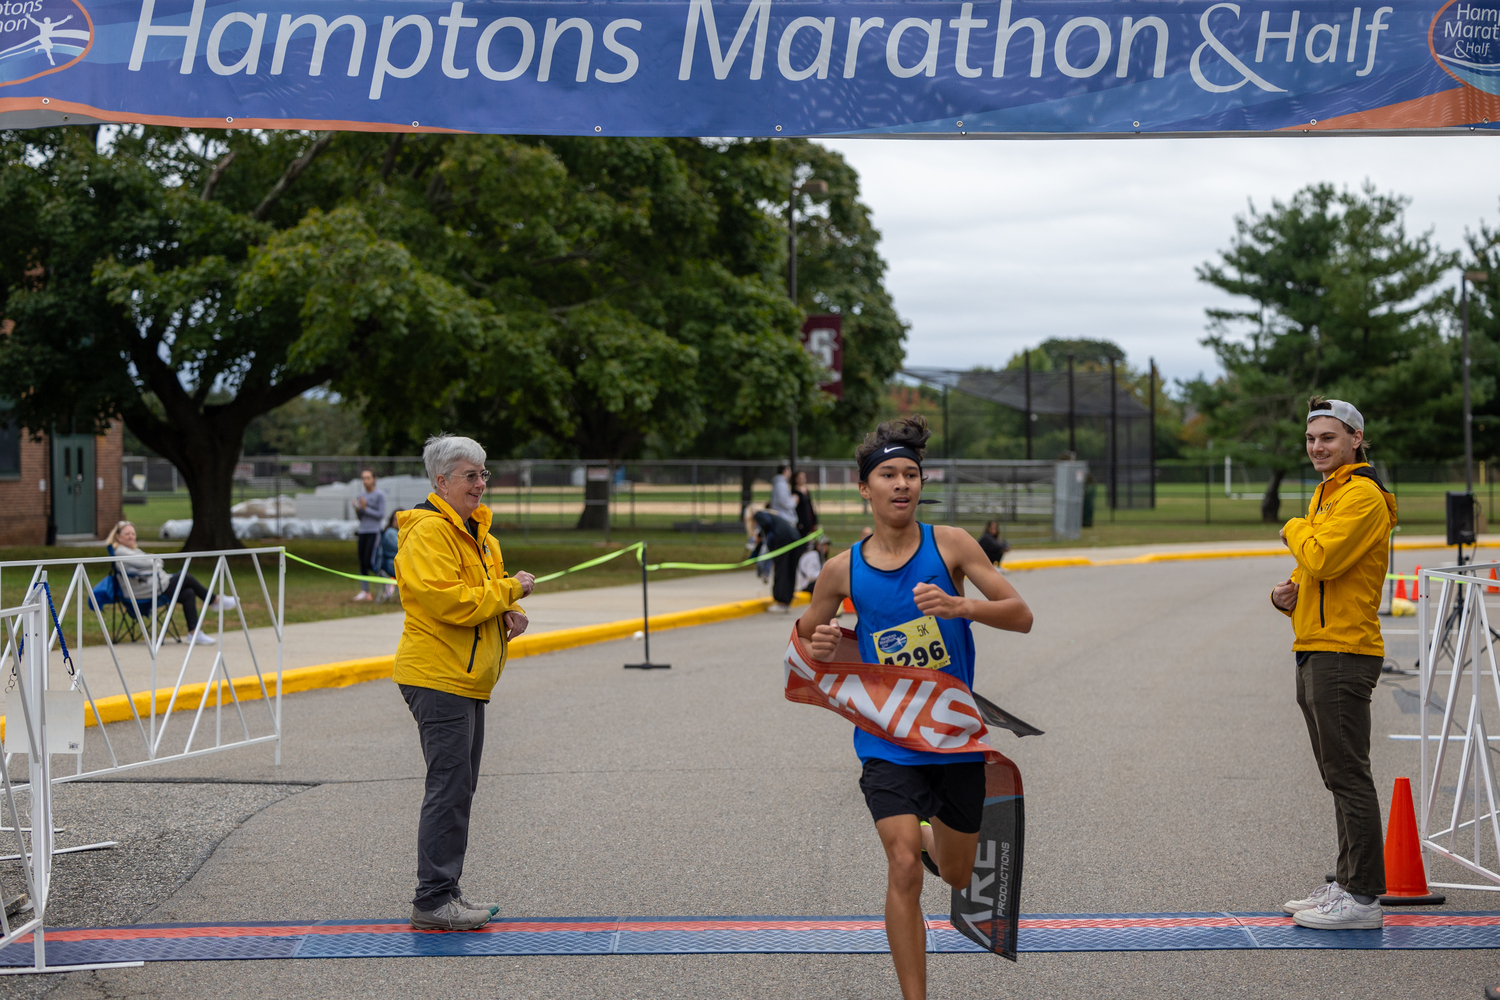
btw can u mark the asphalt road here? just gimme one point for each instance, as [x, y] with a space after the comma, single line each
[1174, 775]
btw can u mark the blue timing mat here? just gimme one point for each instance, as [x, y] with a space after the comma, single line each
[724, 935]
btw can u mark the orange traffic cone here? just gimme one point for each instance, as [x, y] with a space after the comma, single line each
[848, 607]
[1416, 584]
[1400, 588]
[1405, 879]
[1492, 590]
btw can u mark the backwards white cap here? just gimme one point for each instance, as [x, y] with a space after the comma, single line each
[1342, 410]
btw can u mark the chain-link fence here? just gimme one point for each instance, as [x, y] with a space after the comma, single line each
[708, 496]
[682, 495]
[1228, 492]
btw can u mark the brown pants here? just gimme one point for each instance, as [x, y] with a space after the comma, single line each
[1333, 691]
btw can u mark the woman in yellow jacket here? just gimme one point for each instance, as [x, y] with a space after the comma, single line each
[1332, 598]
[461, 610]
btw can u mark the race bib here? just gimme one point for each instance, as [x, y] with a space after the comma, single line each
[917, 643]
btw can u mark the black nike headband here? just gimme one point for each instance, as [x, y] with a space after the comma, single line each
[881, 455]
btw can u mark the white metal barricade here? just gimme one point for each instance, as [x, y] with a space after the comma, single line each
[1459, 672]
[27, 724]
[241, 685]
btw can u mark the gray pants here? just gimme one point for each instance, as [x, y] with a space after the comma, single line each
[451, 729]
[1333, 691]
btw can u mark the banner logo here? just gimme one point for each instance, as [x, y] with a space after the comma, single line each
[38, 37]
[1465, 40]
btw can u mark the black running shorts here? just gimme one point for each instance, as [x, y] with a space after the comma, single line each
[954, 793]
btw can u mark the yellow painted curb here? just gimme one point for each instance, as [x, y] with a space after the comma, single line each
[1155, 557]
[1150, 557]
[1049, 563]
[347, 672]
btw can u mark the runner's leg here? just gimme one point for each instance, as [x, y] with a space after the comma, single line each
[953, 851]
[905, 924]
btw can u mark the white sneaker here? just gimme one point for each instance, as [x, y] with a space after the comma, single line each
[1314, 899]
[1342, 912]
[204, 640]
[227, 603]
[364, 595]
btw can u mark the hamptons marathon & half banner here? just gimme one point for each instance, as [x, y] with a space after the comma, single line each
[757, 68]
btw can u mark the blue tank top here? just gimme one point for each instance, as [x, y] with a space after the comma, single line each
[892, 630]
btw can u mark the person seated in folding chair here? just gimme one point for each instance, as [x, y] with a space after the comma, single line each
[146, 578]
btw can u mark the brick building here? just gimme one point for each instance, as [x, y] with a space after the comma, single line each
[81, 490]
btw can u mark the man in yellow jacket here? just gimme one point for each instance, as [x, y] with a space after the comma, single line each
[1333, 597]
[461, 610]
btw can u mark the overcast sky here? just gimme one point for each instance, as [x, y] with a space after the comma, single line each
[995, 245]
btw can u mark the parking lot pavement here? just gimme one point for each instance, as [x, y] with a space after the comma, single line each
[1174, 776]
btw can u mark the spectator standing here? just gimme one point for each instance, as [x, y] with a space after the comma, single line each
[147, 578]
[371, 510]
[807, 515]
[994, 546]
[783, 500]
[1332, 598]
[462, 611]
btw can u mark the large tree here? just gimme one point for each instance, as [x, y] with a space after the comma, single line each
[130, 272]
[601, 296]
[653, 271]
[1340, 302]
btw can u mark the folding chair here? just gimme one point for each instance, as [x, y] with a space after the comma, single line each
[114, 598]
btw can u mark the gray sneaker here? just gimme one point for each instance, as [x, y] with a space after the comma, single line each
[492, 908]
[1314, 899]
[451, 916]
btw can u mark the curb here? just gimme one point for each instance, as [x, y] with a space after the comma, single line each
[1155, 557]
[348, 672]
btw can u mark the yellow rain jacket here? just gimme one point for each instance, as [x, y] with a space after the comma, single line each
[1340, 548]
[454, 589]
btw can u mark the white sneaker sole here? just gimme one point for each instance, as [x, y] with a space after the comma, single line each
[1317, 922]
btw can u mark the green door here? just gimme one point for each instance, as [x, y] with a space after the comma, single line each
[73, 497]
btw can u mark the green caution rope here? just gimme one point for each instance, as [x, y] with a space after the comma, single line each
[636, 547]
[653, 567]
[347, 576]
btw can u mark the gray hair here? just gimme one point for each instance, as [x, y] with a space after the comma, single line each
[443, 452]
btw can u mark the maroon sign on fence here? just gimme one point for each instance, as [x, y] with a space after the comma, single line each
[823, 338]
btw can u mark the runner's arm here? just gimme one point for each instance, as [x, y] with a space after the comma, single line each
[819, 626]
[1002, 607]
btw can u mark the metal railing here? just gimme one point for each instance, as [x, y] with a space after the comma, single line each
[40, 718]
[1456, 642]
[123, 681]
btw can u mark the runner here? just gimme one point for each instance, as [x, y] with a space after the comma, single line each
[907, 585]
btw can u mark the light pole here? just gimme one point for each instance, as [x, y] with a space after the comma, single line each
[1476, 277]
[810, 186]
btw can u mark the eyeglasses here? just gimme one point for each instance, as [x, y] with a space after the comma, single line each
[471, 477]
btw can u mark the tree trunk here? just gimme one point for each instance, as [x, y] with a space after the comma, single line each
[1270, 504]
[210, 481]
[595, 503]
